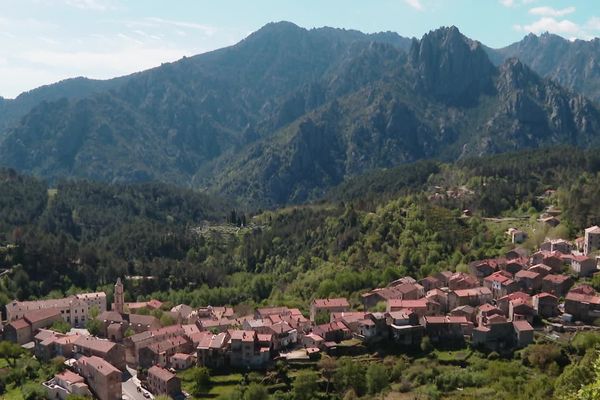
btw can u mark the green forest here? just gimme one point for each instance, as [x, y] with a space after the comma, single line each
[199, 249]
[183, 246]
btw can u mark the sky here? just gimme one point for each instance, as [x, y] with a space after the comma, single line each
[44, 41]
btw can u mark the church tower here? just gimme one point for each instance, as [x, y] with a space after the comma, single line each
[119, 297]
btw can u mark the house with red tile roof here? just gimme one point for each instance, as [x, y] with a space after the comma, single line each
[333, 331]
[461, 280]
[520, 309]
[65, 384]
[469, 297]
[23, 330]
[485, 311]
[447, 328]
[501, 283]
[545, 305]
[430, 283]
[103, 378]
[529, 281]
[212, 350]
[482, 268]
[181, 361]
[557, 284]
[583, 307]
[160, 381]
[541, 269]
[558, 245]
[403, 291]
[90, 346]
[159, 353]
[552, 259]
[328, 306]
[245, 351]
[420, 307]
[583, 266]
[503, 303]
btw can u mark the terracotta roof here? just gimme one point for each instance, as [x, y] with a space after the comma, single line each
[155, 304]
[264, 337]
[97, 363]
[555, 278]
[522, 325]
[161, 373]
[266, 311]
[19, 324]
[583, 298]
[41, 315]
[473, 292]
[487, 307]
[145, 320]
[515, 295]
[496, 319]
[244, 336]
[544, 295]
[181, 356]
[93, 344]
[326, 303]
[526, 274]
[503, 277]
[168, 344]
[69, 376]
[410, 304]
[110, 316]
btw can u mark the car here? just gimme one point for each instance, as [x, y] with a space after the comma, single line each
[147, 395]
[139, 389]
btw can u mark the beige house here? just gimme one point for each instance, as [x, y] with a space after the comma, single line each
[103, 378]
[74, 310]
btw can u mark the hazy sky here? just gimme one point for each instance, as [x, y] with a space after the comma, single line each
[43, 41]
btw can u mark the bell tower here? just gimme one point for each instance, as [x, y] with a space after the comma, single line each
[119, 297]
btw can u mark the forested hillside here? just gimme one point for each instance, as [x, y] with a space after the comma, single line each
[374, 228]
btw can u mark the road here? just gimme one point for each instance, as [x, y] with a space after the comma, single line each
[130, 387]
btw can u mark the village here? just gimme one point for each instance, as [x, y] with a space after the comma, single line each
[498, 305]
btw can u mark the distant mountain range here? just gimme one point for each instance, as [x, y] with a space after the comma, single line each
[288, 113]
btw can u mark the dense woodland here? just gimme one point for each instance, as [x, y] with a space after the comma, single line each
[194, 248]
[185, 246]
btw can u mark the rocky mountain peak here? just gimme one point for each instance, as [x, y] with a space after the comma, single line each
[451, 66]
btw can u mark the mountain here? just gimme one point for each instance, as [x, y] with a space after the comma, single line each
[288, 113]
[11, 110]
[166, 123]
[573, 64]
[446, 101]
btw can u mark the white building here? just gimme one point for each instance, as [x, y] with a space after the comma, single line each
[74, 310]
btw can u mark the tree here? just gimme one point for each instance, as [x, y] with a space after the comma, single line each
[60, 326]
[328, 366]
[377, 378]
[33, 391]
[162, 397]
[93, 326]
[426, 345]
[305, 385]
[350, 375]
[10, 352]
[592, 390]
[167, 320]
[200, 377]
[256, 391]
[80, 397]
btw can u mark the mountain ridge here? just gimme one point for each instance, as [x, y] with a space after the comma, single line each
[288, 112]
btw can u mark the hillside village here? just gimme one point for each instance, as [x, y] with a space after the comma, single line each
[499, 305]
